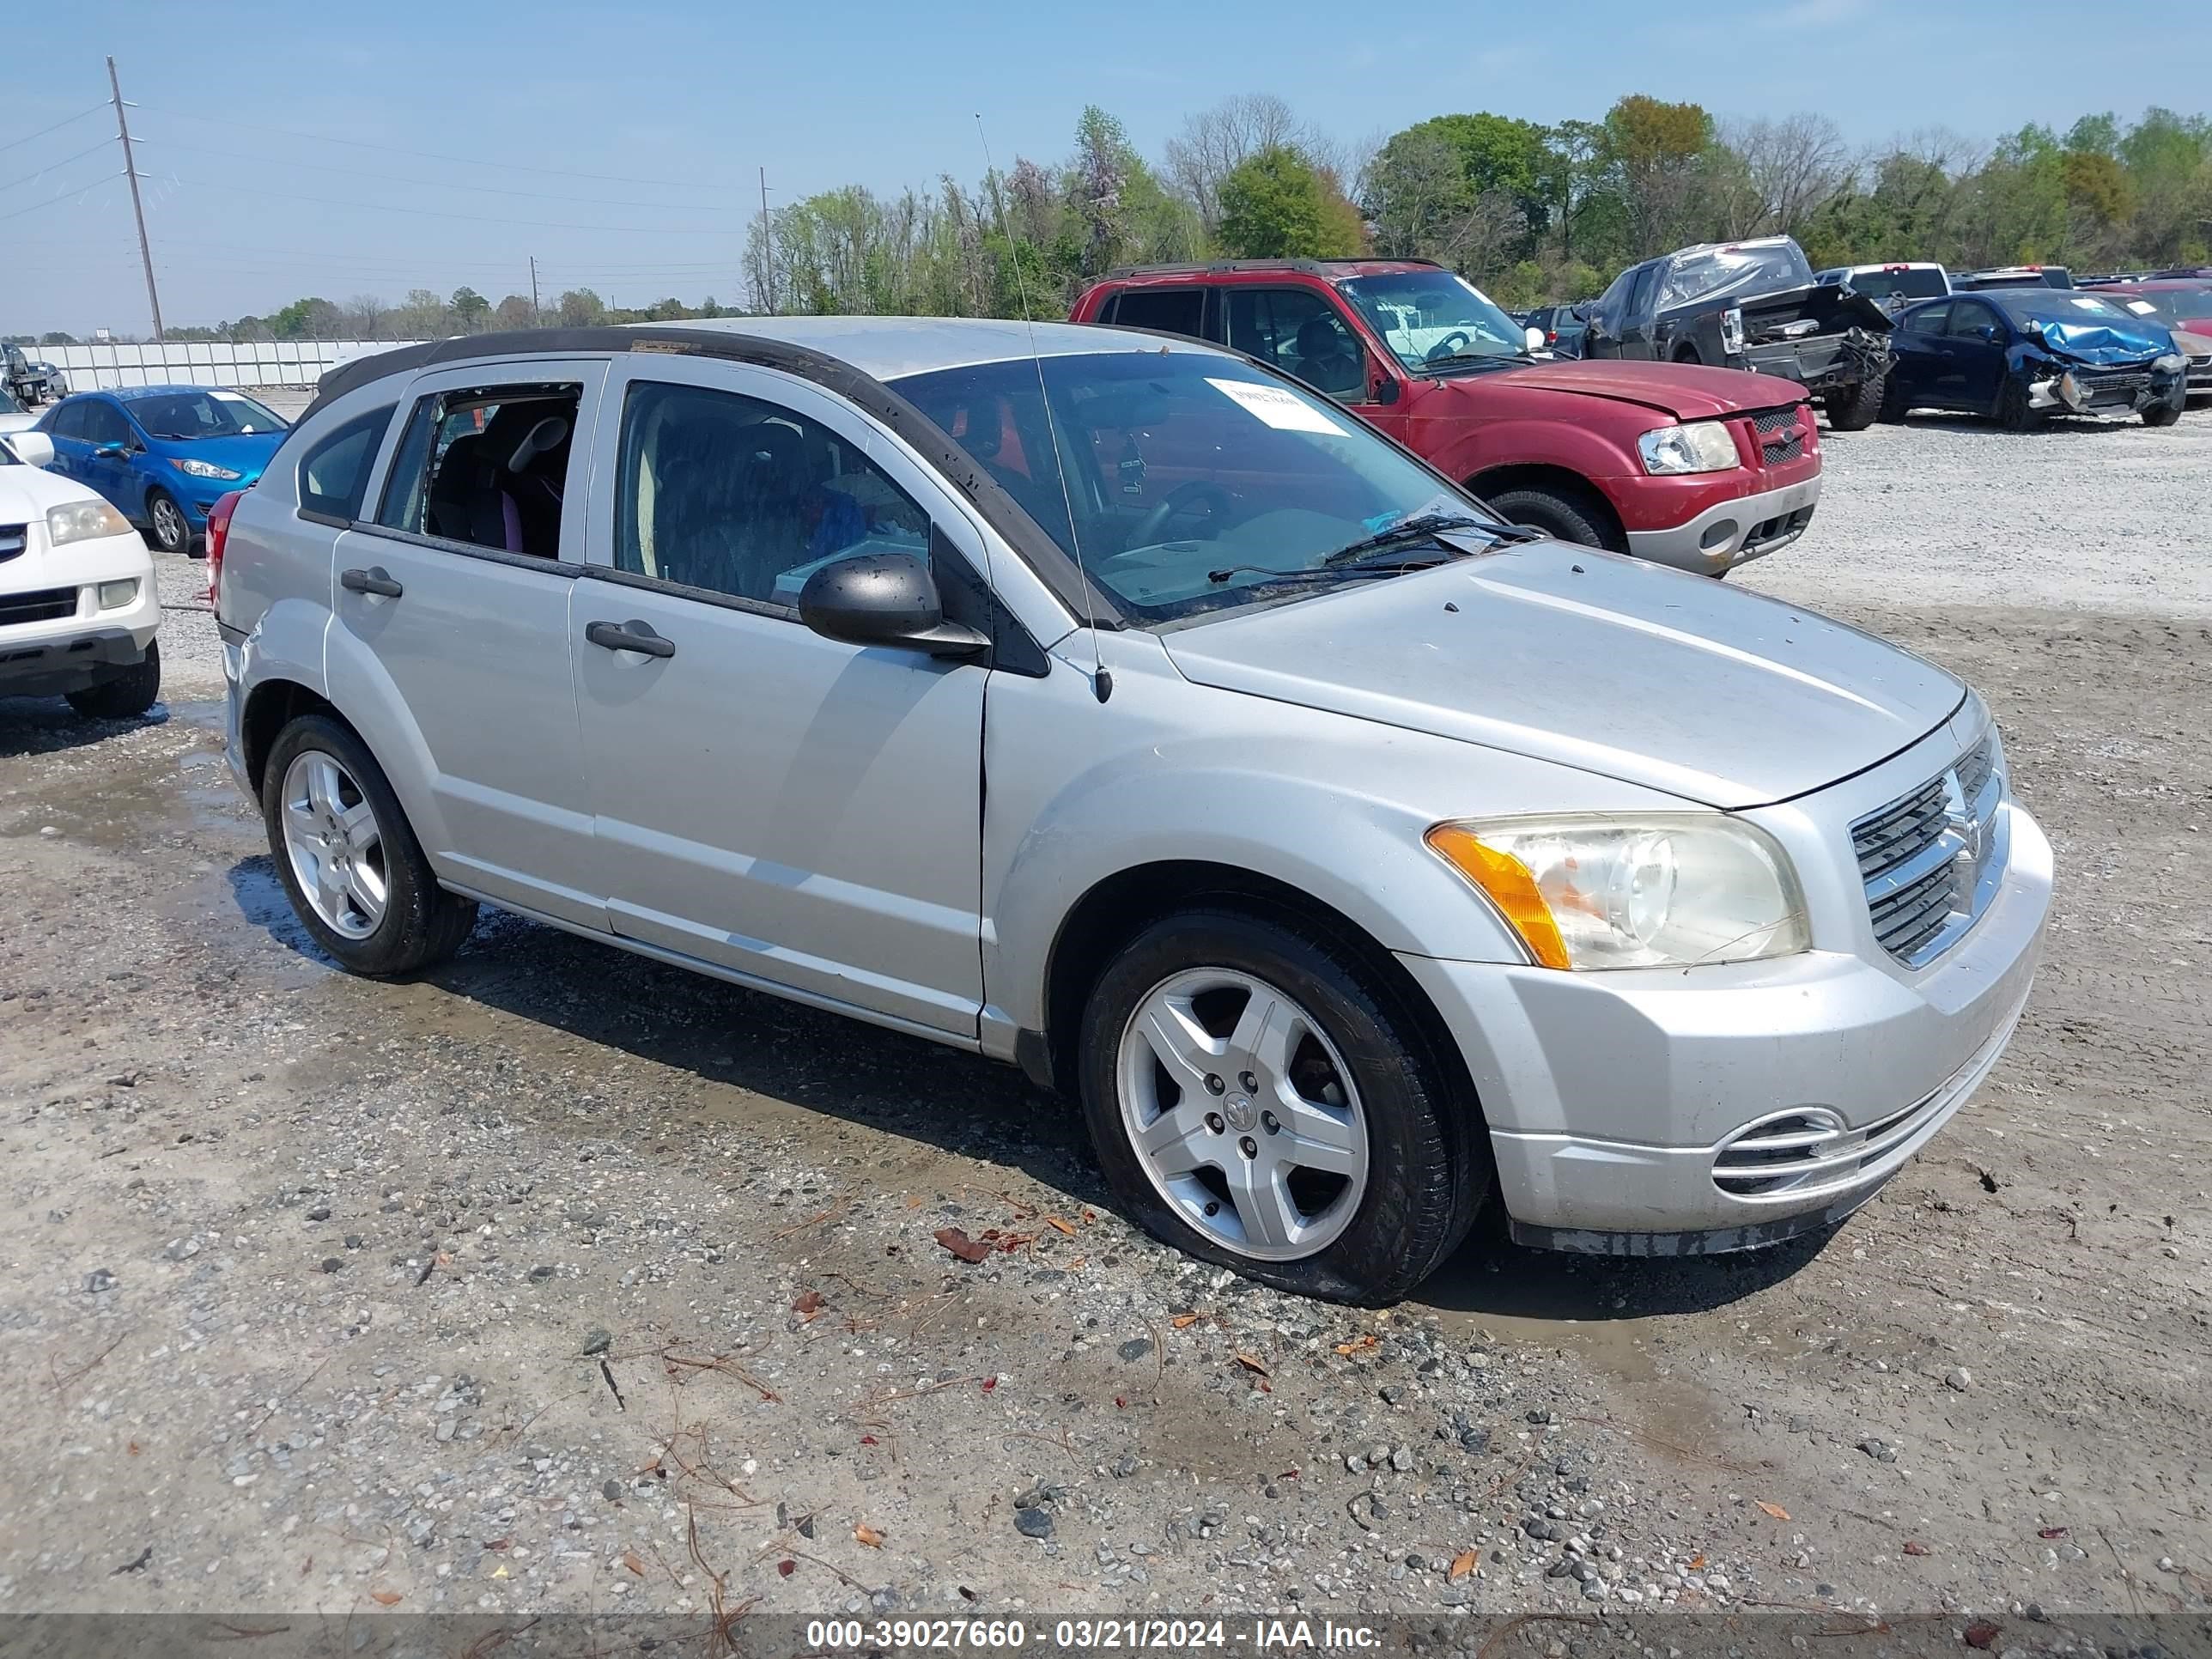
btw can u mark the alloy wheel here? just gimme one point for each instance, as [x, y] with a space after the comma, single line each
[169, 527]
[334, 844]
[1243, 1114]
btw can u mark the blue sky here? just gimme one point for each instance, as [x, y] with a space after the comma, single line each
[673, 105]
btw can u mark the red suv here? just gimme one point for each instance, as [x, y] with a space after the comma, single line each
[1698, 468]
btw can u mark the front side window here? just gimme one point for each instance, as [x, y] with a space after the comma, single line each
[1184, 482]
[488, 466]
[1300, 332]
[184, 415]
[1432, 319]
[104, 423]
[334, 474]
[1639, 295]
[746, 498]
[1968, 316]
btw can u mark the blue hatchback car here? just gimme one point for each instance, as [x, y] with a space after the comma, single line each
[163, 454]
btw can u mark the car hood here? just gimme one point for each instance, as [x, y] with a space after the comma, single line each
[27, 493]
[1687, 392]
[2101, 343]
[1616, 667]
[245, 454]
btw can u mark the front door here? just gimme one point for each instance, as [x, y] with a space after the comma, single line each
[795, 810]
[1977, 355]
[455, 599]
[103, 459]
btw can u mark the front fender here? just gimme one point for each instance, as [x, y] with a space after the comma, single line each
[1542, 442]
[1173, 772]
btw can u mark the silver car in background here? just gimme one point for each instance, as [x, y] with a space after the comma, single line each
[1114, 706]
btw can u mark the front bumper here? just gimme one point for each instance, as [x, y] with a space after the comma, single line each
[1610, 1097]
[1732, 532]
[84, 644]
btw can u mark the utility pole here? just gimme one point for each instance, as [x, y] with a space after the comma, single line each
[535, 315]
[138, 207]
[768, 250]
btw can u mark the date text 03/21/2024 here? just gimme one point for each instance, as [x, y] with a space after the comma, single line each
[1100, 1635]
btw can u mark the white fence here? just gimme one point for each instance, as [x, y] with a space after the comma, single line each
[245, 362]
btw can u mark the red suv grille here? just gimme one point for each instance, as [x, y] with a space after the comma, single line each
[1781, 433]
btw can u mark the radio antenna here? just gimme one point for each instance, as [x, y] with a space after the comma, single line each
[1102, 682]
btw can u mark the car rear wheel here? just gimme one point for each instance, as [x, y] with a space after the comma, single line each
[1572, 518]
[128, 695]
[173, 531]
[355, 874]
[1257, 1101]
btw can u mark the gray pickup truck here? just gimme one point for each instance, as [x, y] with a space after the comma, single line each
[1753, 305]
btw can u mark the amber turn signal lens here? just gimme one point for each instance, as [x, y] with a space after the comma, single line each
[1510, 886]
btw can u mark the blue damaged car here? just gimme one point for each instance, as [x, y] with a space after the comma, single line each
[2019, 355]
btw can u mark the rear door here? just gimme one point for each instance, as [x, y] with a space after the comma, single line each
[107, 428]
[66, 426]
[795, 809]
[454, 596]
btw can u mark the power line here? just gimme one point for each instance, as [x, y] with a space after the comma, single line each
[432, 213]
[56, 126]
[433, 155]
[431, 184]
[30, 178]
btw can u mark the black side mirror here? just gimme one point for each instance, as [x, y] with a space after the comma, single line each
[884, 598]
[1384, 390]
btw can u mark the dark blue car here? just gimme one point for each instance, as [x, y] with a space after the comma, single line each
[2018, 354]
[163, 454]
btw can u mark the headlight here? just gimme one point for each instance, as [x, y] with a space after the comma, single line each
[79, 521]
[113, 595]
[206, 470]
[1666, 891]
[1702, 446]
[2170, 363]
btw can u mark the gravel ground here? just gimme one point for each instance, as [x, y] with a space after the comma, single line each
[563, 1281]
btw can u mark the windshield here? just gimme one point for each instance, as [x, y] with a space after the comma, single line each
[1194, 482]
[1427, 317]
[188, 415]
[2033, 305]
[1733, 271]
[1925, 284]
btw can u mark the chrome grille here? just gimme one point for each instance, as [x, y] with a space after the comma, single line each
[1929, 860]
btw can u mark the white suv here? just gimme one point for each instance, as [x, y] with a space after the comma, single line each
[79, 605]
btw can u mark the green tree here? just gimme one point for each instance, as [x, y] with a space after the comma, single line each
[55, 337]
[471, 309]
[1274, 205]
[580, 308]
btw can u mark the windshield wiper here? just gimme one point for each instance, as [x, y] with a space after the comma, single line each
[1501, 358]
[1307, 572]
[1424, 526]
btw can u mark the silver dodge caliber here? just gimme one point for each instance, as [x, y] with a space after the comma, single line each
[1119, 709]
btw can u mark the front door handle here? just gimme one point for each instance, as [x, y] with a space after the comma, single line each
[375, 580]
[632, 635]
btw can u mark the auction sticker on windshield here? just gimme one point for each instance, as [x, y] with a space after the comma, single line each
[1278, 407]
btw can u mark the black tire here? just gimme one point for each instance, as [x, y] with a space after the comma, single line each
[2162, 414]
[422, 924]
[1855, 408]
[2013, 412]
[171, 530]
[1428, 1171]
[1894, 404]
[128, 695]
[1688, 355]
[1567, 513]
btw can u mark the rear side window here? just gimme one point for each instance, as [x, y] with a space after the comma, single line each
[334, 474]
[487, 466]
[66, 422]
[1930, 319]
[1170, 310]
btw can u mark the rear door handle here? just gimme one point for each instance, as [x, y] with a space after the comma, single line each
[632, 635]
[375, 580]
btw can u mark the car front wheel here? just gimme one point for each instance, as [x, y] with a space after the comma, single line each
[173, 532]
[355, 874]
[126, 695]
[1258, 1100]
